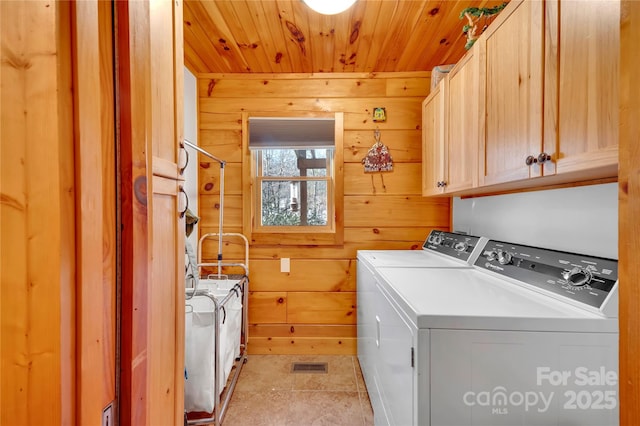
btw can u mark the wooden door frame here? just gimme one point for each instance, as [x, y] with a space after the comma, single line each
[132, 98]
[629, 211]
[93, 79]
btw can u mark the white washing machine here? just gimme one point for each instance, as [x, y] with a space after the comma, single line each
[527, 337]
[440, 250]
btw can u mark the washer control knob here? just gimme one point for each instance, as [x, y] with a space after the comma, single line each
[492, 255]
[504, 257]
[461, 246]
[577, 276]
[437, 239]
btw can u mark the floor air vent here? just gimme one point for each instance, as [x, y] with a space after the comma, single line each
[309, 367]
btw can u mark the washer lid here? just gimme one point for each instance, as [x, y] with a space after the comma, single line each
[410, 258]
[469, 299]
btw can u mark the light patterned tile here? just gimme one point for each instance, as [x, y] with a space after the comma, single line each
[266, 373]
[264, 408]
[269, 394]
[320, 408]
[367, 410]
[362, 387]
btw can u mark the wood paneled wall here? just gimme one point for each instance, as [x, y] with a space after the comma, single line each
[312, 309]
[38, 247]
[58, 213]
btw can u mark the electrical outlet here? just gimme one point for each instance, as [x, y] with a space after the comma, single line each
[107, 416]
[285, 264]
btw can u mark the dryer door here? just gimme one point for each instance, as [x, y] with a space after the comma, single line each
[394, 362]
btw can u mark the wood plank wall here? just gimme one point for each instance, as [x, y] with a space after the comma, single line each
[37, 267]
[312, 309]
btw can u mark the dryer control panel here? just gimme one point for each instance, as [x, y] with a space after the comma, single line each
[459, 246]
[585, 280]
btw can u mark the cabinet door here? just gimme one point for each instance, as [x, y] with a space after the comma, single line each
[433, 140]
[149, 46]
[511, 59]
[463, 123]
[583, 47]
[166, 295]
[166, 305]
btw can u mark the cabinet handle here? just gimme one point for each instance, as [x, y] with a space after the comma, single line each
[530, 160]
[543, 157]
[183, 212]
[441, 184]
[186, 153]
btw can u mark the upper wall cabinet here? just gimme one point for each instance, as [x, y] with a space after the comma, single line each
[582, 55]
[543, 79]
[450, 136]
[463, 123]
[511, 52]
[434, 157]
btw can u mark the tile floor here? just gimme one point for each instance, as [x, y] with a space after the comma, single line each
[268, 393]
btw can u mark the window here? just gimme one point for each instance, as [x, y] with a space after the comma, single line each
[294, 169]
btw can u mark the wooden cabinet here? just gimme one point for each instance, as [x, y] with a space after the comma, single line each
[543, 79]
[450, 130]
[512, 61]
[149, 43]
[433, 140]
[582, 55]
[463, 124]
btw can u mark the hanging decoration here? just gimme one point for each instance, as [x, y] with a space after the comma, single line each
[378, 159]
[379, 115]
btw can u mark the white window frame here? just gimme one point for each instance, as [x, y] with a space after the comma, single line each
[330, 234]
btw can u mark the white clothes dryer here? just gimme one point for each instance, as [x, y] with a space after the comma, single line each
[440, 250]
[527, 337]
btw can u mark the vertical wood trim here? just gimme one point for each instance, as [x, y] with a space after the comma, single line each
[69, 396]
[178, 100]
[629, 211]
[134, 137]
[37, 266]
[247, 180]
[95, 207]
[338, 197]
[107, 78]
[88, 209]
[551, 94]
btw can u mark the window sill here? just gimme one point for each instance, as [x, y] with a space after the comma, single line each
[297, 239]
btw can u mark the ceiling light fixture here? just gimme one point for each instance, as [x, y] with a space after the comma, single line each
[329, 7]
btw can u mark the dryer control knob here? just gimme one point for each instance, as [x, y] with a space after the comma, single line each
[577, 276]
[461, 246]
[504, 257]
[492, 255]
[438, 239]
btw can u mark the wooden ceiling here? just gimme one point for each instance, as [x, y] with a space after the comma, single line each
[285, 36]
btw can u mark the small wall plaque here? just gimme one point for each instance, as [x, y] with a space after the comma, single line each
[379, 115]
